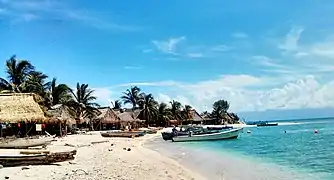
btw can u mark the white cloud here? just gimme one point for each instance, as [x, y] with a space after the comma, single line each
[169, 46]
[221, 48]
[103, 95]
[291, 39]
[250, 93]
[240, 35]
[195, 55]
[28, 10]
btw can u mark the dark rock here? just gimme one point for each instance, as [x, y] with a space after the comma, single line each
[6, 177]
[111, 144]
[129, 149]
[24, 168]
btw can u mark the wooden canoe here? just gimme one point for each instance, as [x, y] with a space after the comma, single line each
[128, 134]
[40, 159]
[23, 143]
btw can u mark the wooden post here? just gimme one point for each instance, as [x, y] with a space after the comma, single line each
[65, 128]
[61, 133]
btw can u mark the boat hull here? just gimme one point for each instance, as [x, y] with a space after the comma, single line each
[230, 134]
[21, 143]
[129, 134]
[25, 160]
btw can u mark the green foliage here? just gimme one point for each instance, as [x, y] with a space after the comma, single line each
[132, 96]
[22, 77]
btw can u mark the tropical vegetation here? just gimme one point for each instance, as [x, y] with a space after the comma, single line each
[23, 77]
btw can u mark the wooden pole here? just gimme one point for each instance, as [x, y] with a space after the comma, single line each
[61, 133]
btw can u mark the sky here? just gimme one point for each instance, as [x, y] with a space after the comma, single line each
[258, 54]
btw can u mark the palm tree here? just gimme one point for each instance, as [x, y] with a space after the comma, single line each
[220, 108]
[17, 74]
[59, 93]
[164, 114]
[83, 102]
[36, 83]
[176, 109]
[186, 112]
[132, 96]
[116, 105]
[148, 107]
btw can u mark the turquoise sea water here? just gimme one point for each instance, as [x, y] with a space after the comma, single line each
[299, 149]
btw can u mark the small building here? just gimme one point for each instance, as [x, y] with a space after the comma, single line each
[129, 118]
[107, 119]
[19, 112]
[60, 119]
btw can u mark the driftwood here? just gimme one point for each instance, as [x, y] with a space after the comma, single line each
[41, 159]
[97, 142]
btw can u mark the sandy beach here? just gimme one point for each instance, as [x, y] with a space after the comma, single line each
[105, 160]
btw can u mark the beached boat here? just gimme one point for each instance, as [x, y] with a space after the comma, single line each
[24, 143]
[127, 134]
[218, 135]
[267, 124]
[39, 159]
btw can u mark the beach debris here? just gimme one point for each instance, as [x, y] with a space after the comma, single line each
[97, 142]
[316, 131]
[249, 131]
[1, 166]
[71, 162]
[24, 168]
[110, 150]
[71, 145]
[80, 170]
[124, 148]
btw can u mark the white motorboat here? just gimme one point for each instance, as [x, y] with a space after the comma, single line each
[220, 135]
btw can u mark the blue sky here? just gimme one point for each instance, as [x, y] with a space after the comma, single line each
[256, 54]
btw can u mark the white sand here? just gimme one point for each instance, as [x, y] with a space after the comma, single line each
[103, 161]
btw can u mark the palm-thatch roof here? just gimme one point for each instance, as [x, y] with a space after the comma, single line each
[128, 115]
[107, 115]
[20, 107]
[195, 116]
[60, 113]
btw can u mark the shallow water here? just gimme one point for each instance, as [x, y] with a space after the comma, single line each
[266, 153]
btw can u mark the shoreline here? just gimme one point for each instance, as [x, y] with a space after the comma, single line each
[106, 160]
[217, 165]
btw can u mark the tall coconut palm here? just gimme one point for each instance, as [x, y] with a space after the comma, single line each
[83, 102]
[59, 93]
[17, 74]
[186, 112]
[117, 104]
[176, 109]
[163, 115]
[132, 96]
[220, 108]
[148, 107]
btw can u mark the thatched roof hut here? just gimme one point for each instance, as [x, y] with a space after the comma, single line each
[20, 107]
[107, 116]
[60, 114]
[128, 115]
[195, 116]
